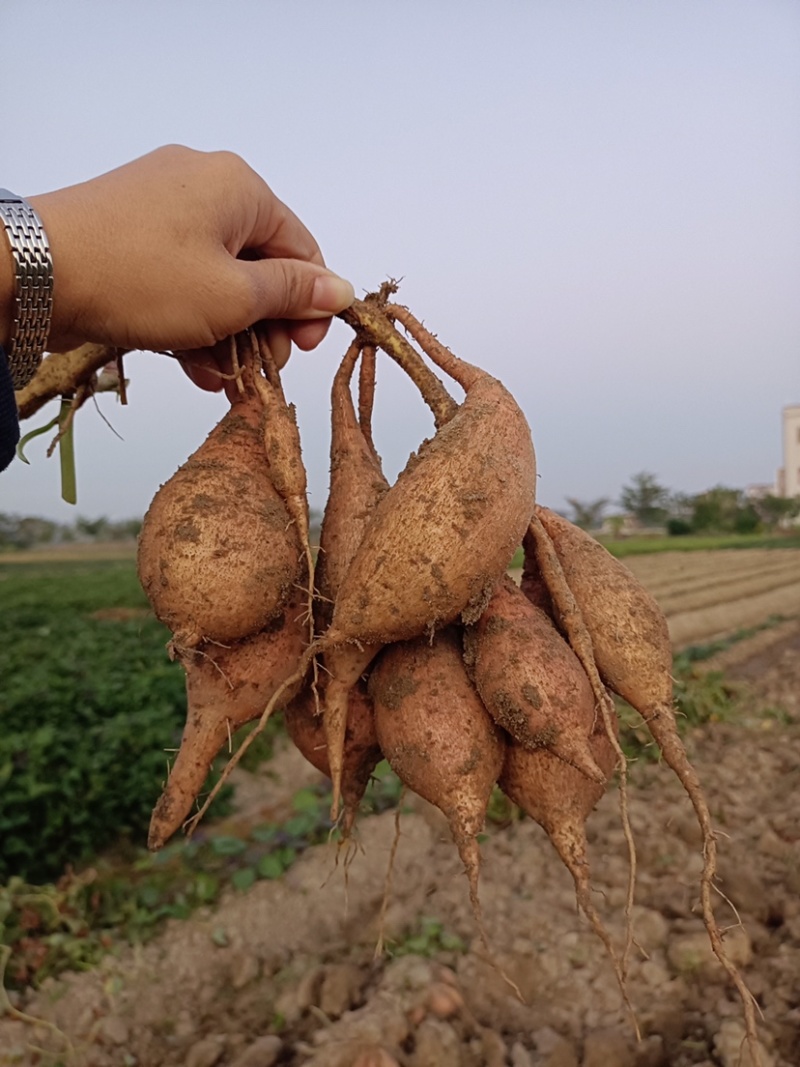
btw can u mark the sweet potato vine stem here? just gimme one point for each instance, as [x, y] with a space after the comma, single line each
[366, 395]
[63, 372]
[459, 370]
[368, 318]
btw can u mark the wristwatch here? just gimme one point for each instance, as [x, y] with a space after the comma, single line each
[33, 273]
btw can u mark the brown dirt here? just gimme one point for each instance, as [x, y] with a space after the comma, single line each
[284, 974]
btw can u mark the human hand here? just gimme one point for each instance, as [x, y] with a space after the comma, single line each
[146, 256]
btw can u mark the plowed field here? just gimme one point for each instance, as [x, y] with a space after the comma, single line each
[706, 595]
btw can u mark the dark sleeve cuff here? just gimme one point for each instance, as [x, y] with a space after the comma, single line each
[9, 420]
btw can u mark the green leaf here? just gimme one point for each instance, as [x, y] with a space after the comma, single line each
[30, 436]
[300, 825]
[206, 887]
[264, 834]
[243, 879]
[228, 846]
[270, 867]
[306, 800]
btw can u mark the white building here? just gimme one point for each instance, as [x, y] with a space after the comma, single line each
[788, 481]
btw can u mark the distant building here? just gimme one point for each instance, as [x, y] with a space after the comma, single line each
[788, 480]
[759, 490]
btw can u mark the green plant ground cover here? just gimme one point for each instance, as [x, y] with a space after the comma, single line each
[642, 546]
[639, 546]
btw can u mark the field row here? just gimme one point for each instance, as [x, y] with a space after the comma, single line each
[707, 594]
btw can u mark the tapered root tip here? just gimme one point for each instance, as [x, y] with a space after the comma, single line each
[579, 755]
[167, 817]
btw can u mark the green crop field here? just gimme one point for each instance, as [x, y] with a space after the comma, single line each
[89, 702]
[640, 546]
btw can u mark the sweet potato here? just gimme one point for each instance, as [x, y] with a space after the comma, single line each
[628, 629]
[437, 736]
[530, 680]
[532, 582]
[360, 754]
[440, 538]
[633, 653]
[560, 799]
[218, 554]
[226, 687]
[446, 531]
[357, 485]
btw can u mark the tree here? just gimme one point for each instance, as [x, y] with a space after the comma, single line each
[645, 499]
[775, 511]
[588, 514]
[92, 529]
[723, 510]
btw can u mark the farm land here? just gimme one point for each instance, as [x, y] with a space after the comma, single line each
[254, 944]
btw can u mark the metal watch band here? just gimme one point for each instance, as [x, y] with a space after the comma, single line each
[33, 271]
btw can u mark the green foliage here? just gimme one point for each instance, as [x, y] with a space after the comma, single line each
[723, 510]
[428, 939]
[26, 531]
[701, 696]
[678, 527]
[69, 925]
[88, 705]
[775, 510]
[128, 895]
[640, 546]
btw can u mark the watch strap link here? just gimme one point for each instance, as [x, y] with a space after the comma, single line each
[33, 272]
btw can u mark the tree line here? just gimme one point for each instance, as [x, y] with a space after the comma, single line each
[26, 531]
[717, 510]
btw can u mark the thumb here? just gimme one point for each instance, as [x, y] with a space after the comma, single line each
[294, 289]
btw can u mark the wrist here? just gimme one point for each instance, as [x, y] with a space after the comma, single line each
[32, 286]
[7, 292]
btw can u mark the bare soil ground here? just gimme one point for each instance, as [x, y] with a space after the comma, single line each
[285, 973]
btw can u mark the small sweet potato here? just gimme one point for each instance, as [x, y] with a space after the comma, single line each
[530, 679]
[361, 752]
[437, 736]
[226, 687]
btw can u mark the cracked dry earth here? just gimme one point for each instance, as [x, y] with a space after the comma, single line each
[284, 974]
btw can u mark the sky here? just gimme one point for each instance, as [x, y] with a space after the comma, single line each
[599, 203]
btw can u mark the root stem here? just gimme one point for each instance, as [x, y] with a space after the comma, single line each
[371, 322]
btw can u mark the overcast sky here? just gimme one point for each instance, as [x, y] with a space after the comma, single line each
[597, 201]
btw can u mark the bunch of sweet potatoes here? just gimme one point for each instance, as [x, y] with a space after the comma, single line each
[409, 642]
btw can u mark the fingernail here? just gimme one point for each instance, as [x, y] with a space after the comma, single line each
[332, 293]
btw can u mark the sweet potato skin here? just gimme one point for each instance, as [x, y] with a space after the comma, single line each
[444, 533]
[218, 553]
[547, 789]
[361, 753]
[226, 687]
[434, 730]
[357, 485]
[530, 680]
[629, 632]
